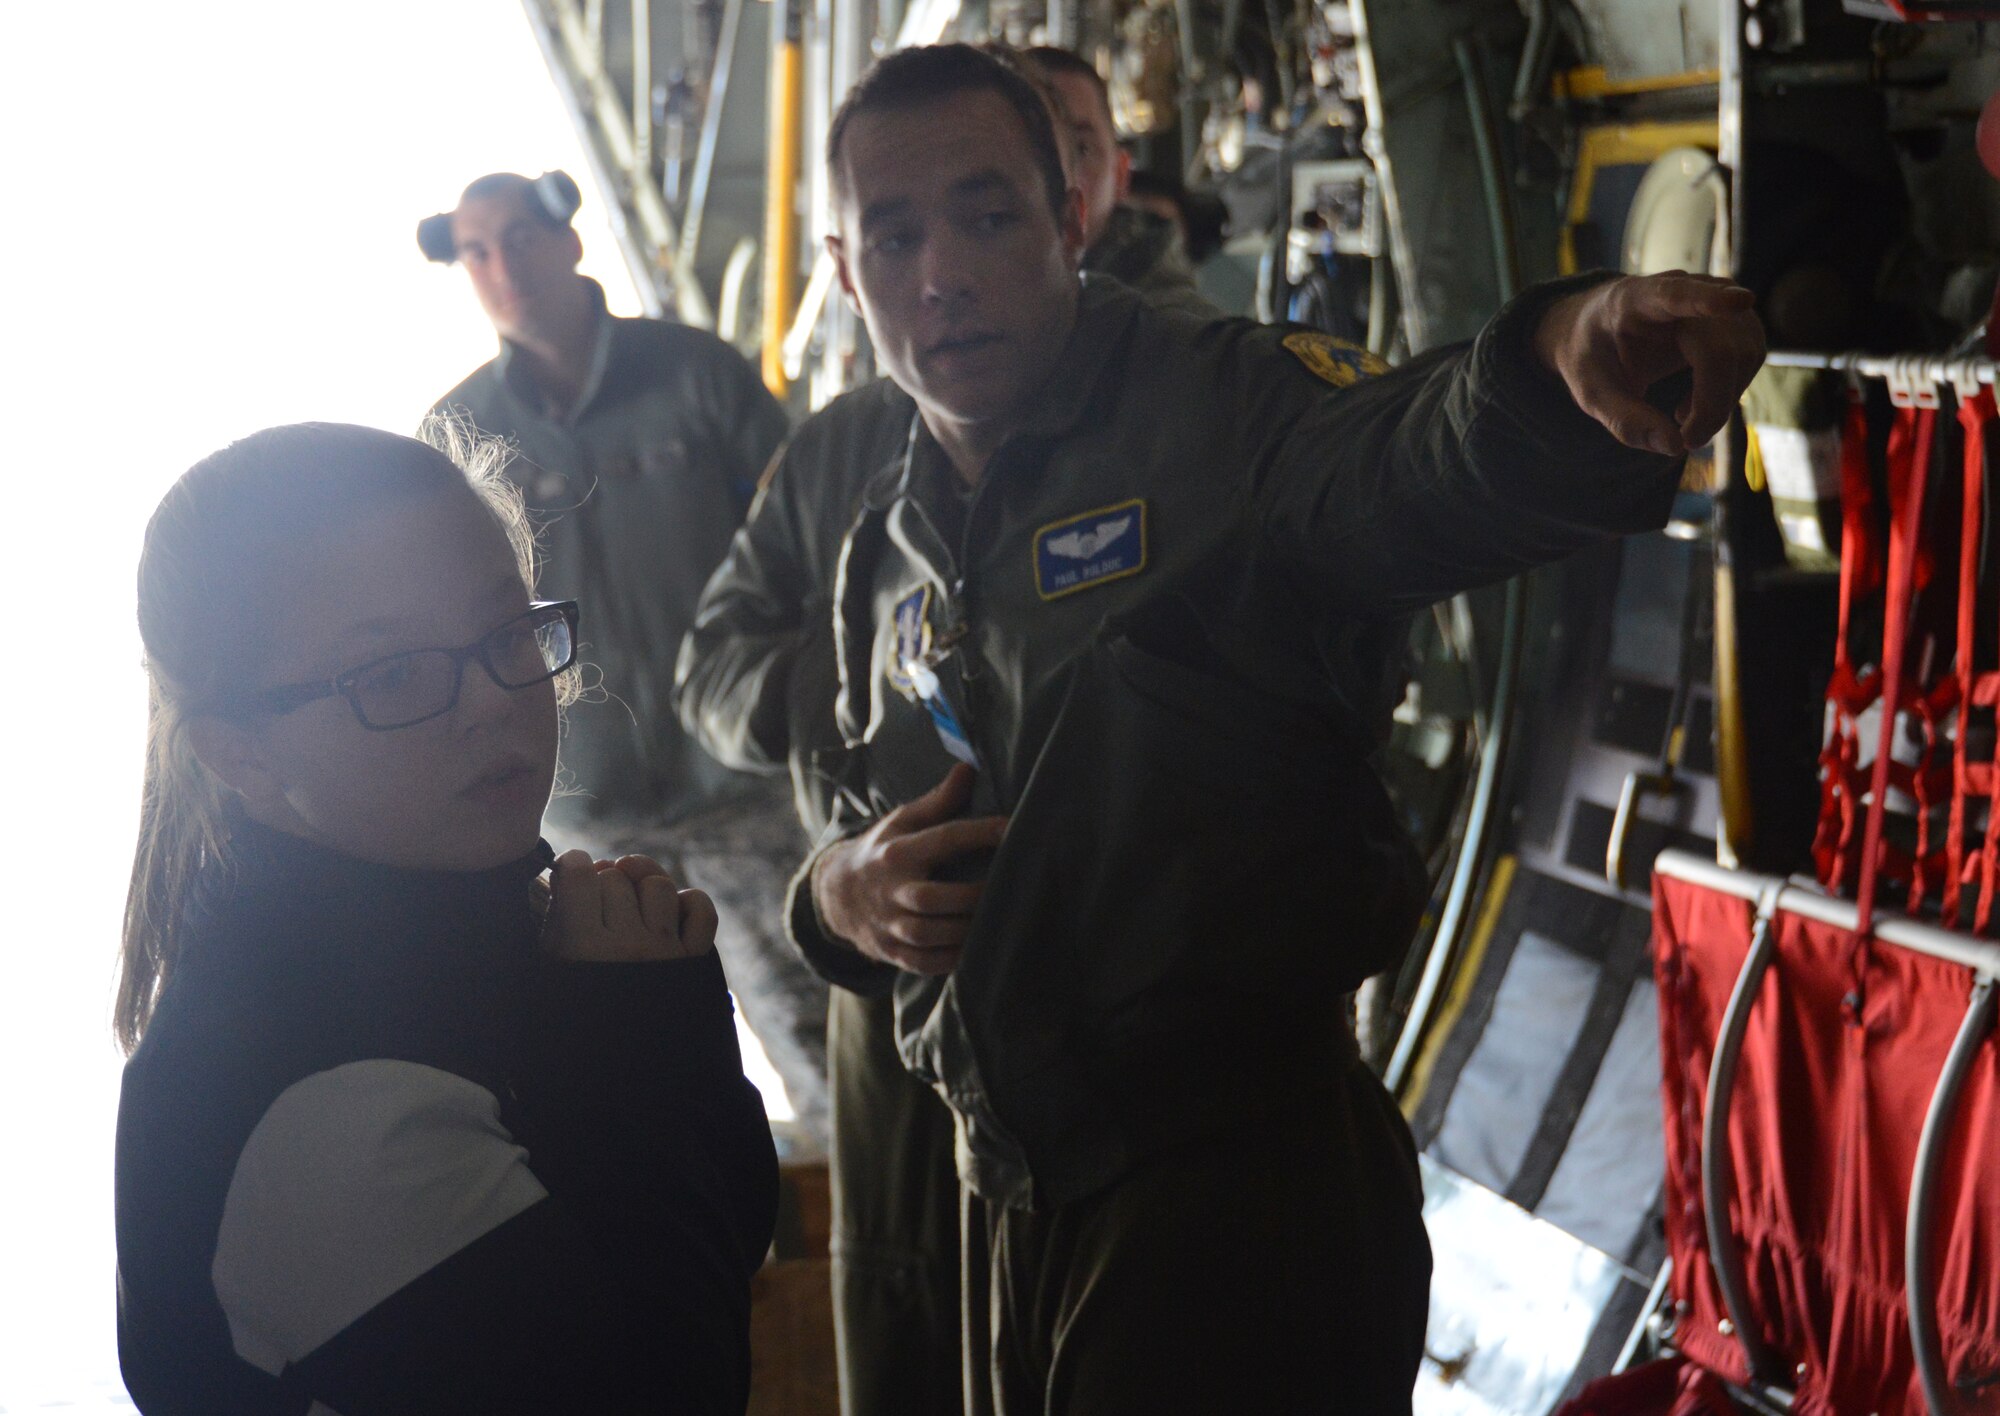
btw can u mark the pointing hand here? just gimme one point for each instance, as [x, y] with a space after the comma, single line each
[1613, 342]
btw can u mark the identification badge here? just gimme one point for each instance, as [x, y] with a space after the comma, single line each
[950, 732]
[1090, 549]
[913, 673]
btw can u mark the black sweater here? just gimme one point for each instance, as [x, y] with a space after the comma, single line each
[376, 1154]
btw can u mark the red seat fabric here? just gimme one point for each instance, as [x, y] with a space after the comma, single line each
[1843, 1049]
[1672, 1386]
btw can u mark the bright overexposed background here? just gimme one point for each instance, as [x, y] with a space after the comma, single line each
[206, 229]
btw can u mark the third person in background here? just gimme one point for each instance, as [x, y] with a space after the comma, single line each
[1125, 242]
[639, 444]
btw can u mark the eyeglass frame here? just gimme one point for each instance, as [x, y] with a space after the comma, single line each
[290, 697]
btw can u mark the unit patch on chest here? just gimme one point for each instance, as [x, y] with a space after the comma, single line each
[1090, 549]
[1334, 360]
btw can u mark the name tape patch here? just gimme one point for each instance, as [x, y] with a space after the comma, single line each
[1090, 549]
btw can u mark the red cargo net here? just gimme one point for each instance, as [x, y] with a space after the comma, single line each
[1932, 678]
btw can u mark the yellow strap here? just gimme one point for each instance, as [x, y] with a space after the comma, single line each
[1753, 458]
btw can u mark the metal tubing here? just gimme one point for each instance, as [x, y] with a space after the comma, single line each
[1486, 147]
[1931, 1147]
[1532, 77]
[646, 231]
[1373, 104]
[781, 213]
[1381, 290]
[1493, 745]
[642, 87]
[1638, 786]
[925, 22]
[557, 34]
[1980, 955]
[1915, 368]
[1654, 1296]
[1732, 750]
[735, 279]
[1192, 77]
[1716, 1170]
[1729, 120]
[1054, 21]
[1472, 847]
[799, 337]
[711, 131]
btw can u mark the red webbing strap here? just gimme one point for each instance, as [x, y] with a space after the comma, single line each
[1846, 695]
[1975, 411]
[1860, 563]
[1909, 474]
[1989, 853]
[1986, 694]
[1930, 779]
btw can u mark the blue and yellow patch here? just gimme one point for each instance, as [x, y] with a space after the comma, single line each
[1090, 548]
[1333, 360]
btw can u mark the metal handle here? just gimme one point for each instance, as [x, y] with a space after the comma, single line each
[1932, 1144]
[1716, 1169]
[1637, 785]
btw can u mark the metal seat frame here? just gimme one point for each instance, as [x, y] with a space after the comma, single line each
[1772, 896]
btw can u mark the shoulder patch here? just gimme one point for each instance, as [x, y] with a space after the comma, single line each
[1333, 360]
[1088, 549]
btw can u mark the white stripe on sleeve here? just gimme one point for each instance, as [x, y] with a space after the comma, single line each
[357, 1181]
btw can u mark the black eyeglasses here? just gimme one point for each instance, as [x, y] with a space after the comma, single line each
[402, 690]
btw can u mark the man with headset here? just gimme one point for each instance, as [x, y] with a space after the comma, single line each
[1109, 631]
[640, 444]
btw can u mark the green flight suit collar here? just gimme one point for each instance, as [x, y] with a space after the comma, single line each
[530, 395]
[1104, 314]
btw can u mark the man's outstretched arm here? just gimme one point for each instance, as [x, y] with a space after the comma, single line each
[1466, 466]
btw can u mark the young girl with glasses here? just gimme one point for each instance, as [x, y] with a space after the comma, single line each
[403, 1128]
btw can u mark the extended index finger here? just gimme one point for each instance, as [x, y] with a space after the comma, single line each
[1724, 356]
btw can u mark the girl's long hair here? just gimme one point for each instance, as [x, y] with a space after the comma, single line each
[218, 537]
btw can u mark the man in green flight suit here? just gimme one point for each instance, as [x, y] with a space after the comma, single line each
[756, 686]
[1108, 630]
[639, 444]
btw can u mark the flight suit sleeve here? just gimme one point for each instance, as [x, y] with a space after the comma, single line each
[748, 421]
[735, 687]
[834, 960]
[1460, 468]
